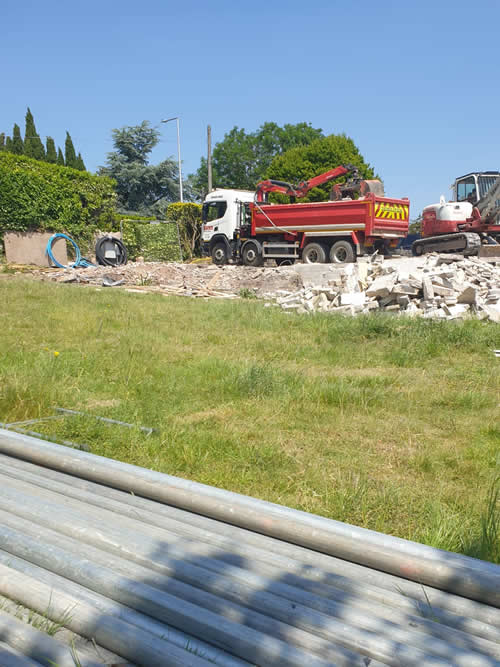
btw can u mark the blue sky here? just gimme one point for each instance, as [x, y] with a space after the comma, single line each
[416, 85]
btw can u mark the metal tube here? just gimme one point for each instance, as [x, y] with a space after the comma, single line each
[145, 429]
[312, 614]
[426, 565]
[243, 641]
[9, 657]
[268, 552]
[38, 645]
[76, 595]
[127, 640]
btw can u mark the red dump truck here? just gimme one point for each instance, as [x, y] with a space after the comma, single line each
[243, 227]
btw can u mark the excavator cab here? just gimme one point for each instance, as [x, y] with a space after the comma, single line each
[474, 187]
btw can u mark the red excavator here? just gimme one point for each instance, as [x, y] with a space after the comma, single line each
[470, 224]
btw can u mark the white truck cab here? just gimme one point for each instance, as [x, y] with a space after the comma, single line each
[222, 214]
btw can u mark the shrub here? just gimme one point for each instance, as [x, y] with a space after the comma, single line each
[39, 196]
[188, 217]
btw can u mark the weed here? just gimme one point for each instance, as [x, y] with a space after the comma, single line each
[246, 293]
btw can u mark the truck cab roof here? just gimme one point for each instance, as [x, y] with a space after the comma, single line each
[222, 193]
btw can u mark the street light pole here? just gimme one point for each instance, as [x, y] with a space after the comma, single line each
[167, 120]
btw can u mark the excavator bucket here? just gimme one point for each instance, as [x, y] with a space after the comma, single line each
[356, 187]
[375, 186]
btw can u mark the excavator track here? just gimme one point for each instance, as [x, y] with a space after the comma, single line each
[466, 243]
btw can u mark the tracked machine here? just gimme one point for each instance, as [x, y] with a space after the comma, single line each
[470, 224]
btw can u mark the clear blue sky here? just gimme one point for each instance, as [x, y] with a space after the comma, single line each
[416, 85]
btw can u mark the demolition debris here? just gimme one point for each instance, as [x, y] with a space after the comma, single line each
[433, 286]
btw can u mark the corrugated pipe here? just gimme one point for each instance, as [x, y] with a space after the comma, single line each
[448, 571]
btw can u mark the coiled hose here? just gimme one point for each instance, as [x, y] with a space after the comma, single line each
[116, 257]
[79, 260]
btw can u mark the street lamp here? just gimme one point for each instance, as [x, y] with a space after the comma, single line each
[167, 120]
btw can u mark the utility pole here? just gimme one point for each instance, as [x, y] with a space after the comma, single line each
[209, 157]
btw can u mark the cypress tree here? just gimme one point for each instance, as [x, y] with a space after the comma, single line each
[2, 141]
[60, 158]
[79, 162]
[51, 155]
[70, 155]
[33, 146]
[17, 141]
[8, 144]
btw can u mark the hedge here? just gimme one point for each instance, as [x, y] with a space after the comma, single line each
[37, 195]
[154, 242]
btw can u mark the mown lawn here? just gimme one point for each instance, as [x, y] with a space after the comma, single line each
[384, 422]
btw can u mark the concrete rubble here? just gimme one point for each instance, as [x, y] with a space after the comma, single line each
[435, 287]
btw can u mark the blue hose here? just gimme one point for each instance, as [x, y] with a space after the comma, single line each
[79, 260]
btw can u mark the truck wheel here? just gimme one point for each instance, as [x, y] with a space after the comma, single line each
[285, 262]
[219, 253]
[251, 255]
[314, 253]
[342, 252]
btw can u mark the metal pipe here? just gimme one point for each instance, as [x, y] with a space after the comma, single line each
[145, 429]
[243, 641]
[326, 570]
[426, 565]
[126, 640]
[127, 539]
[100, 604]
[9, 657]
[38, 645]
[311, 614]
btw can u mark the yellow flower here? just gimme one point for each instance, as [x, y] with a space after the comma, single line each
[56, 353]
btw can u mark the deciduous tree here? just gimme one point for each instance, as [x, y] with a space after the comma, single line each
[304, 162]
[241, 159]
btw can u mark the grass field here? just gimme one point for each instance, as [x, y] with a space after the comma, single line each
[384, 422]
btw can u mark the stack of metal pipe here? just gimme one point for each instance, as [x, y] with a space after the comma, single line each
[164, 571]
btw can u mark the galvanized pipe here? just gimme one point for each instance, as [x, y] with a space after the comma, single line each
[69, 593]
[126, 640]
[126, 539]
[9, 657]
[376, 601]
[383, 587]
[38, 645]
[243, 641]
[458, 574]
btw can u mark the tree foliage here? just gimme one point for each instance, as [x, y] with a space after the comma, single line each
[60, 158]
[17, 146]
[241, 159]
[188, 218]
[33, 146]
[36, 195]
[2, 141]
[141, 187]
[69, 152]
[304, 162]
[51, 154]
[80, 165]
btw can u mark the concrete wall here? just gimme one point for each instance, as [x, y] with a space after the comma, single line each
[29, 248]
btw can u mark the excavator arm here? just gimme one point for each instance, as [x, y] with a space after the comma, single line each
[300, 190]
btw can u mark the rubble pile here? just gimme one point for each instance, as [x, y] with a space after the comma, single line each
[195, 280]
[446, 287]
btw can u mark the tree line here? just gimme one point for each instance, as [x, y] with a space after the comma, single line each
[33, 147]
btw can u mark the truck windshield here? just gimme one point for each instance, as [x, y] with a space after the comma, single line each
[213, 210]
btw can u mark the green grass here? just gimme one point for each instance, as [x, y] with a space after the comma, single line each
[384, 422]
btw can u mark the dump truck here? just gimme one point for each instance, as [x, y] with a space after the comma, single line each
[241, 226]
[470, 224]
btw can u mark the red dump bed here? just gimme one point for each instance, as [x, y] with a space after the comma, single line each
[371, 216]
